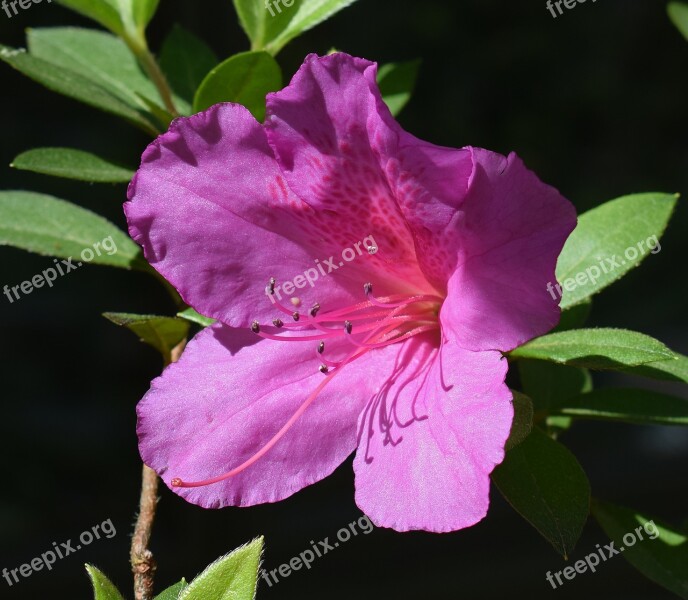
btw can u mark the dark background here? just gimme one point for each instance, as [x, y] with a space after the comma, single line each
[594, 101]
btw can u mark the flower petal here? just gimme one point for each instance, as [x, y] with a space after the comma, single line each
[216, 219]
[320, 128]
[430, 438]
[229, 394]
[512, 230]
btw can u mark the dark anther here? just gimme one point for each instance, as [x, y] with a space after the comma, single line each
[321, 347]
[277, 323]
[271, 286]
[323, 369]
[296, 316]
[348, 326]
[255, 327]
[368, 288]
[314, 310]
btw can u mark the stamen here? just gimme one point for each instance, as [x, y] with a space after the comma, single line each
[296, 316]
[314, 310]
[324, 369]
[255, 327]
[321, 347]
[348, 327]
[278, 323]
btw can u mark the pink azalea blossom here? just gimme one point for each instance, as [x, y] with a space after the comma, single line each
[396, 355]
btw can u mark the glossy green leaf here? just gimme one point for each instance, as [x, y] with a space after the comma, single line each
[271, 24]
[678, 13]
[522, 424]
[231, 577]
[104, 12]
[103, 588]
[186, 60]
[545, 484]
[397, 81]
[75, 86]
[99, 57]
[194, 317]
[72, 164]
[662, 553]
[172, 592]
[143, 11]
[163, 333]
[609, 241]
[575, 316]
[601, 348]
[675, 369]
[549, 385]
[53, 227]
[629, 405]
[122, 17]
[244, 78]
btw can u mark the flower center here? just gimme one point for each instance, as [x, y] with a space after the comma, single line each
[365, 326]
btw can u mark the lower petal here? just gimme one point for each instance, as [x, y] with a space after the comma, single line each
[228, 395]
[430, 439]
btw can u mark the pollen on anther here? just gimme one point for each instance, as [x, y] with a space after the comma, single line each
[176, 482]
[255, 327]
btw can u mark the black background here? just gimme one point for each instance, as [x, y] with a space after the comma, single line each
[596, 102]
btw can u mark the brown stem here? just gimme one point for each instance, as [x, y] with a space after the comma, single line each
[142, 562]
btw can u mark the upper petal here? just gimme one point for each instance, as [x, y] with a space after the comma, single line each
[511, 231]
[216, 218]
[322, 128]
[229, 394]
[431, 436]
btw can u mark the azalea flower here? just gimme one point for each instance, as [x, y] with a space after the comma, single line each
[397, 354]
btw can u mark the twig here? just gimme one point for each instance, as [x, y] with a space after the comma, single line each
[142, 562]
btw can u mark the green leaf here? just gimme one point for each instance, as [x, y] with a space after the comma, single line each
[678, 13]
[609, 241]
[75, 86]
[102, 11]
[172, 592]
[194, 317]
[125, 18]
[630, 405]
[54, 227]
[163, 333]
[601, 348]
[667, 370]
[143, 11]
[232, 577]
[245, 78]
[271, 25]
[522, 424]
[549, 385]
[186, 60]
[99, 57]
[72, 164]
[545, 484]
[662, 554]
[574, 316]
[103, 588]
[397, 81]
